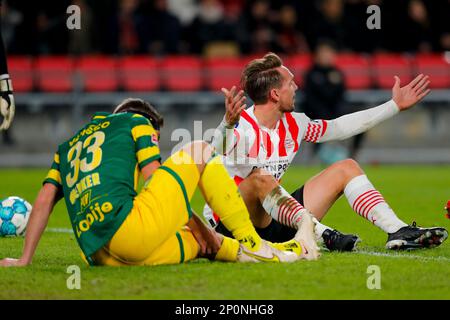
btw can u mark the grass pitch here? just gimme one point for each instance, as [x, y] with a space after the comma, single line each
[414, 192]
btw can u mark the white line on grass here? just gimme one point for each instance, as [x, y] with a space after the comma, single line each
[402, 256]
[59, 230]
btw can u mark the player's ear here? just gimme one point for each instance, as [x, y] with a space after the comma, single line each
[274, 94]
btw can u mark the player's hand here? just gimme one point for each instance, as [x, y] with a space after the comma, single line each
[207, 238]
[7, 105]
[234, 105]
[10, 262]
[407, 96]
[305, 236]
[209, 241]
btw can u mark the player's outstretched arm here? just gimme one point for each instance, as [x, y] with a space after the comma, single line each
[355, 123]
[43, 206]
[224, 139]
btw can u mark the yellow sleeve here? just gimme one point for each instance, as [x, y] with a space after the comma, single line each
[146, 141]
[54, 175]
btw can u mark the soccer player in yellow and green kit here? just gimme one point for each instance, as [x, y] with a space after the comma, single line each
[96, 172]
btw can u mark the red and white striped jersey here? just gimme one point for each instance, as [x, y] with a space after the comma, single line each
[255, 146]
[252, 145]
[273, 150]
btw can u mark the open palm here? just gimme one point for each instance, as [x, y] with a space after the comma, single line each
[234, 105]
[407, 96]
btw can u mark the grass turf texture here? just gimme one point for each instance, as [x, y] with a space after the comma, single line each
[415, 192]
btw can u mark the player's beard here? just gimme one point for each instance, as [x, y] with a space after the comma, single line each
[289, 107]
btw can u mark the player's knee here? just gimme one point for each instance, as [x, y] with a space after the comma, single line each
[349, 168]
[262, 182]
[199, 150]
[197, 144]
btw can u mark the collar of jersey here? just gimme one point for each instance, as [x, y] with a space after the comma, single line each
[251, 113]
[100, 115]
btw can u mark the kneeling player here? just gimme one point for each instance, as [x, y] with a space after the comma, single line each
[96, 171]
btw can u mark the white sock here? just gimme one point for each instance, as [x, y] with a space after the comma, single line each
[285, 209]
[320, 228]
[369, 203]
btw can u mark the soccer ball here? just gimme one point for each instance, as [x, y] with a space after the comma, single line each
[14, 214]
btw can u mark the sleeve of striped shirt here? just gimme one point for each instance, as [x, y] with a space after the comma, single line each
[315, 129]
[54, 175]
[350, 124]
[225, 139]
[146, 141]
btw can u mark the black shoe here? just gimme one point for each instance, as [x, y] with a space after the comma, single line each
[413, 237]
[336, 241]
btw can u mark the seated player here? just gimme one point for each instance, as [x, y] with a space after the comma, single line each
[260, 142]
[97, 170]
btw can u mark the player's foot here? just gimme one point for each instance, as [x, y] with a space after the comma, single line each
[305, 237]
[337, 241]
[413, 237]
[266, 253]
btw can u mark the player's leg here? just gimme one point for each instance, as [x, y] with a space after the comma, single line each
[222, 195]
[331, 238]
[321, 191]
[215, 185]
[159, 211]
[179, 248]
[173, 251]
[104, 258]
[266, 226]
[125, 249]
[263, 194]
[162, 208]
[185, 243]
[153, 232]
[266, 199]
[346, 177]
[255, 190]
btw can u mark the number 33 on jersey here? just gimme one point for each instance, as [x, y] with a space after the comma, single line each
[90, 170]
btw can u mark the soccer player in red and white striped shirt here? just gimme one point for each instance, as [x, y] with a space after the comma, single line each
[260, 142]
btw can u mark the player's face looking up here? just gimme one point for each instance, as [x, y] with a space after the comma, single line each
[287, 90]
[268, 80]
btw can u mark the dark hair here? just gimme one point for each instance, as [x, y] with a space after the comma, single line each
[260, 76]
[139, 106]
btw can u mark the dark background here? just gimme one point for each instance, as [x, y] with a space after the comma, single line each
[161, 27]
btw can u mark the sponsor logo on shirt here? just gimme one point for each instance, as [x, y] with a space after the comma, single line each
[155, 138]
[289, 143]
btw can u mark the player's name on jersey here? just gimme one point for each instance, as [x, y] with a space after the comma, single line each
[88, 131]
[85, 183]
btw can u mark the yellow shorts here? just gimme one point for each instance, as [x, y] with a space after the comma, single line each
[154, 232]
